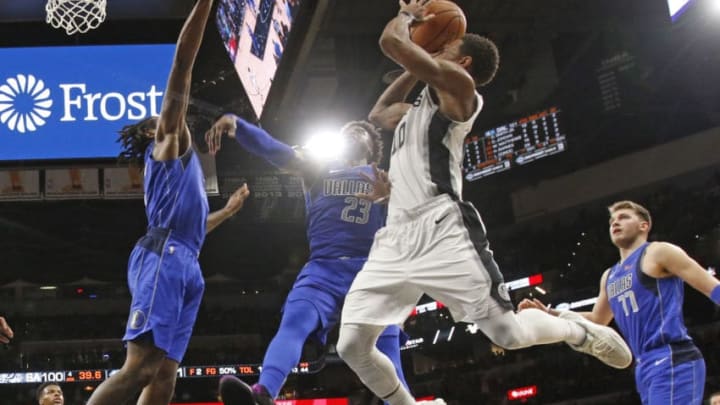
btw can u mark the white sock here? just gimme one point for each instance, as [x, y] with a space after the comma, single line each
[577, 334]
[400, 397]
[528, 328]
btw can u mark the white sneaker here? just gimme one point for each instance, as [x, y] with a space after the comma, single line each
[600, 341]
[436, 401]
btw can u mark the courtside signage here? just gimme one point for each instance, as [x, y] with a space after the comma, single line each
[69, 102]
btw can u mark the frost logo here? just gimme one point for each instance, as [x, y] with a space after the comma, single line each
[24, 103]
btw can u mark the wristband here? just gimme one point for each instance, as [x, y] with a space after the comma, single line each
[715, 295]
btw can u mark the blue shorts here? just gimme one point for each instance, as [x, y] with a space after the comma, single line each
[166, 285]
[324, 283]
[660, 382]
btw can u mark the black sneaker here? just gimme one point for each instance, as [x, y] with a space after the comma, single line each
[235, 392]
[261, 395]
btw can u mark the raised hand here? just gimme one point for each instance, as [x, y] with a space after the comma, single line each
[237, 199]
[225, 125]
[534, 303]
[416, 9]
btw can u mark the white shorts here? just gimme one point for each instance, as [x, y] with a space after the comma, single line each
[439, 249]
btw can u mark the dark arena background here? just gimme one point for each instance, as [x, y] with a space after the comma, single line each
[594, 102]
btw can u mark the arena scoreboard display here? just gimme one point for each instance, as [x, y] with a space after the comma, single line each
[98, 375]
[514, 144]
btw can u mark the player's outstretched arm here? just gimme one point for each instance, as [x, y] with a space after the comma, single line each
[391, 106]
[256, 141]
[172, 137]
[451, 80]
[233, 205]
[674, 259]
[601, 312]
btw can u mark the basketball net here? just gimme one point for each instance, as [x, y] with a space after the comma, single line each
[75, 16]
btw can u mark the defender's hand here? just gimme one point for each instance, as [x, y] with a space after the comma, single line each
[381, 186]
[225, 125]
[6, 333]
[237, 199]
[534, 303]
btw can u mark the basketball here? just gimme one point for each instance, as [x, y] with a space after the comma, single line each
[448, 25]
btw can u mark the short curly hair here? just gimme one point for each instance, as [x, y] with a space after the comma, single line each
[485, 58]
[39, 390]
[135, 141]
[376, 153]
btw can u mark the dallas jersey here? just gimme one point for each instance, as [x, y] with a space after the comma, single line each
[670, 368]
[427, 154]
[164, 276]
[338, 223]
[647, 310]
[175, 196]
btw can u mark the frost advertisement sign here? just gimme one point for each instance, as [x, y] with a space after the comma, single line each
[69, 102]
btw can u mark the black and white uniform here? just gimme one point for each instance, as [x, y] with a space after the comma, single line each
[434, 242]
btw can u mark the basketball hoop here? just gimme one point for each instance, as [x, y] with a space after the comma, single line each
[75, 16]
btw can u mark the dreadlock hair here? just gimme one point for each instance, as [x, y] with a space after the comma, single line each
[135, 141]
[376, 152]
[485, 58]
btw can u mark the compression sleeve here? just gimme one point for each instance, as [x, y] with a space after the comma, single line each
[258, 142]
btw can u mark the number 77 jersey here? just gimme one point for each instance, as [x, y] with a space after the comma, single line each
[339, 224]
[647, 310]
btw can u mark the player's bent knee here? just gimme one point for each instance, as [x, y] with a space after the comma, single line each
[144, 376]
[349, 346]
[344, 347]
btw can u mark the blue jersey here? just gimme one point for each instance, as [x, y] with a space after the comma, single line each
[175, 197]
[647, 310]
[338, 223]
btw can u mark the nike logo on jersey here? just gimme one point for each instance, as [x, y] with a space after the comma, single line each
[661, 361]
[437, 221]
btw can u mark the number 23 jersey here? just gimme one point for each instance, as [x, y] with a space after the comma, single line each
[339, 224]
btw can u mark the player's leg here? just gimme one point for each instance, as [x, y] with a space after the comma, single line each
[161, 388]
[378, 297]
[463, 274]
[676, 384]
[356, 345]
[528, 328]
[144, 356]
[141, 365]
[300, 318]
[471, 292]
[389, 344]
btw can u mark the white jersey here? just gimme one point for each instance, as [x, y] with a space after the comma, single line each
[427, 154]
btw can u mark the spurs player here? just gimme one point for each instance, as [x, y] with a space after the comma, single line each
[434, 242]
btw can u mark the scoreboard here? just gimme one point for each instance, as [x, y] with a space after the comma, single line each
[98, 375]
[514, 144]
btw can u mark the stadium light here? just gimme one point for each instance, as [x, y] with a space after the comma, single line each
[325, 145]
